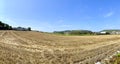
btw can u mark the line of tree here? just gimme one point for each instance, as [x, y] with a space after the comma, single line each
[4, 26]
[74, 32]
[22, 29]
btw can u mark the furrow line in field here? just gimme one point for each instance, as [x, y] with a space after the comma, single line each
[89, 56]
[3, 33]
[102, 55]
[28, 46]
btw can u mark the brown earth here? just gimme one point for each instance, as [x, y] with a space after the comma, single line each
[27, 47]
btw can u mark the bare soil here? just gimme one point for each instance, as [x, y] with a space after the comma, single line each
[27, 47]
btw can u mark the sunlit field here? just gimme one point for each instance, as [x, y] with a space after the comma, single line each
[25, 47]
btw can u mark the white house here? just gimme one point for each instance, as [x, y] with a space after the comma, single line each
[103, 32]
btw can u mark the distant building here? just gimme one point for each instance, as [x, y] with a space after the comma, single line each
[112, 31]
[115, 32]
[103, 33]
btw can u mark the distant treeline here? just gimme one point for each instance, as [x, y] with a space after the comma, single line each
[74, 32]
[86, 32]
[4, 26]
[21, 29]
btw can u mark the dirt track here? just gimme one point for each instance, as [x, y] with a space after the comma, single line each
[19, 47]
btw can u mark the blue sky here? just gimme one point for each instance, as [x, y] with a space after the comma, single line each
[56, 15]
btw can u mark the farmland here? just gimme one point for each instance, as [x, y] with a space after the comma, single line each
[28, 47]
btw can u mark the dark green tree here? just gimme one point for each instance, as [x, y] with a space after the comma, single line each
[4, 26]
[29, 28]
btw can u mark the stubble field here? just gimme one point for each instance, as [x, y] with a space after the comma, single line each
[27, 47]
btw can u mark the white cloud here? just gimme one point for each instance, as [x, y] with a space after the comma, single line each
[109, 14]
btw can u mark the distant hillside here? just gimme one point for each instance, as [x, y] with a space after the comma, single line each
[74, 32]
[4, 26]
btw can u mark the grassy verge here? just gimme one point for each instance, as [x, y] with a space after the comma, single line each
[115, 59]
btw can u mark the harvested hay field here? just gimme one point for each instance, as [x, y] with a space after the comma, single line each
[27, 47]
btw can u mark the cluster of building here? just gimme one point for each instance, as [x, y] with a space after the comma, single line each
[112, 32]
